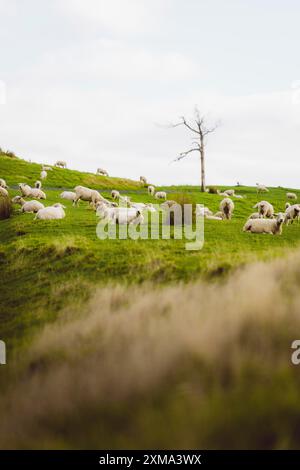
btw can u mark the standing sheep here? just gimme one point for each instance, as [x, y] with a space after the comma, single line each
[291, 196]
[101, 172]
[161, 195]
[272, 226]
[28, 206]
[292, 213]
[143, 180]
[87, 194]
[3, 183]
[115, 194]
[227, 208]
[43, 175]
[51, 212]
[261, 188]
[3, 192]
[68, 195]
[265, 209]
[151, 190]
[60, 164]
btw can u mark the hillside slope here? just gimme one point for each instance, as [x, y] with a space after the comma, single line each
[15, 171]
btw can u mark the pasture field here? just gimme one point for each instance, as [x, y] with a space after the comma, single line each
[54, 273]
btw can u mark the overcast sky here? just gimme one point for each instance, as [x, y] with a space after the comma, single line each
[93, 82]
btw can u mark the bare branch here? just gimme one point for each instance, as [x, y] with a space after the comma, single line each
[185, 154]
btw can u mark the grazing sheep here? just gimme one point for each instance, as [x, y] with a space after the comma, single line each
[261, 188]
[51, 212]
[167, 204]
[38, 184]
[151, 190]
[27, 191]
[229, 192]
[3, 191]
[272, 226]
[68, 195]
[265, 209]
[115, 194]
[161, 195]
[291, 196]
[87, 194]
[255, 215]
[101, 172]
[143, 180]
[227, 208]
[43, 175]
[60, 164]
[292, 213]
[28, 206]
[3, 183]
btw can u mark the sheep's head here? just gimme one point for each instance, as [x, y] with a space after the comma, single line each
[58, 204]
[280, 219]
[17, 200]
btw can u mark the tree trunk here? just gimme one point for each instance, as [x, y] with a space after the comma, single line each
[202, 160]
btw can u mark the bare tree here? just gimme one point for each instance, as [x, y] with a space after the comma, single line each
[200, 129]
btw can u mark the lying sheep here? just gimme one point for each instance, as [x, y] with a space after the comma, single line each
[261, 188]
[68, 195]
[3, 183]
[219, 215]
[87, 194]
[38, 184]
[47, 168]
[51, 212]
[60, 164]
[292, 213]
[151, 190]
[101, 172]
[265, 209]
[43, 175]
[161, 195]
[120, 215]
[272, 226]
[203, 211]
[3, 192]
[167, 204]
[227, 208]
[27, 191]
[115, 194]
[213, 217]
[141, 206]
[28, 206]
[229, 192]
[143, 179]
[291, 196]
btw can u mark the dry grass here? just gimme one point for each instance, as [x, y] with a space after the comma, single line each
[197, 365]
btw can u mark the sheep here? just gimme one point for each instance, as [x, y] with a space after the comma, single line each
[43, 175]
[38, 184]
[261, 188]
[151, 190]
[120, 215]
[227, 208]
[203, 211]
[47, 168]
[68, 195]
[28, 206]
[167, 204]
[238, 196]
[161, 195]
[143, 180]
[292, 213]
[265, 209]
[255, 215]
[3, 192]
[51, 212]
[27, 191]
[87, 194]
[3, 183]
[271, 226]
[229, 192]
[141, 206]
[115, 194]
[219, 215]
[60, 164]
[291, 196]
[101, 172]
[213, 217]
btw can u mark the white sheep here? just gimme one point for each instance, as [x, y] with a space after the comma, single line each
[27, 191]
[101, 172]
[68, 195]
[143, 180]
[3, 183]
[141, 206]
[255, 215]
[265, 209]
[203, 211]
[291, 196]
[219, 215]
[47, 168]
[60, 164]
[229, 192]
[213, 217]
[125, 199]
[227, 208]
[151, 190]
[272, 226]
[3, 192]
[38, 184]
[87, 194]
[292, 213]
[28, 206]
[51, 212]
[120, 215]
[161, 195]
[167, 204]
[261, 188]
[115, 194]
[43, 175]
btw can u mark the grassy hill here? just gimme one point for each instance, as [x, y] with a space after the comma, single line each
[50, 270]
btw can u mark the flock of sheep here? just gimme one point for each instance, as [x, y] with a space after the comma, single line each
[123, 211]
